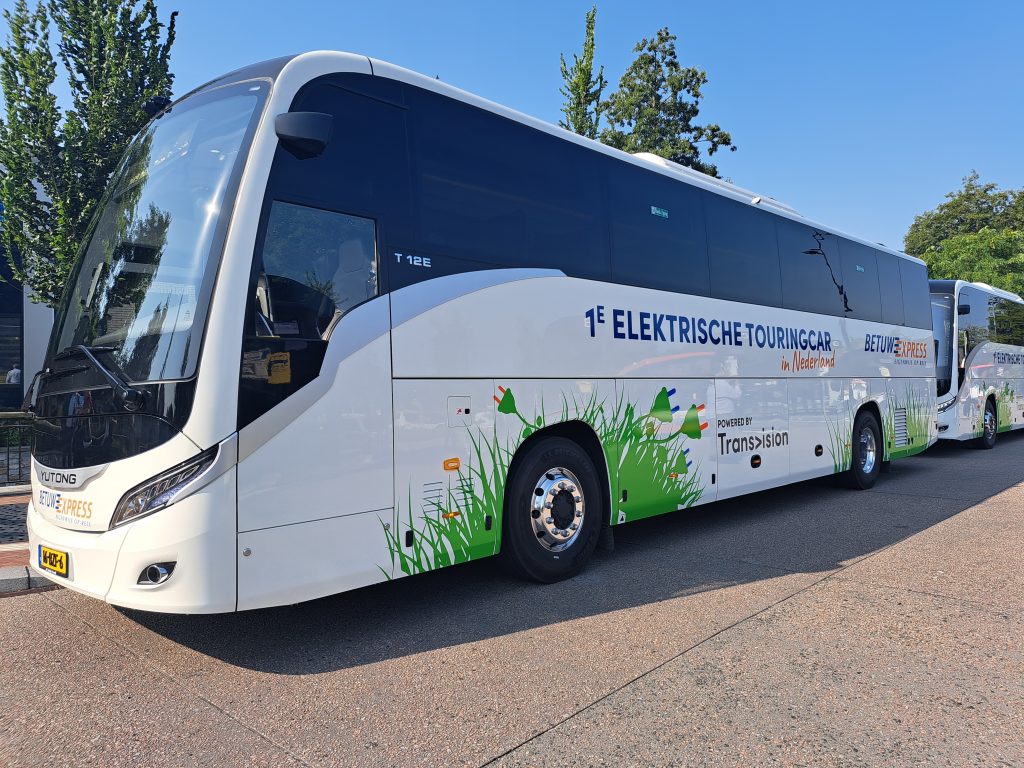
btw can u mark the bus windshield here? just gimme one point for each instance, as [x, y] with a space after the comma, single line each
[138, 292]
[942, 329]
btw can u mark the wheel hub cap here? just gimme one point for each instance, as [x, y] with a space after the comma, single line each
[557, 509]
[868, 451]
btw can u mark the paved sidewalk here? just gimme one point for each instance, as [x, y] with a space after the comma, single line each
[806, 626]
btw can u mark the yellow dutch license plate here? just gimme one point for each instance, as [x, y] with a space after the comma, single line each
[53, 560]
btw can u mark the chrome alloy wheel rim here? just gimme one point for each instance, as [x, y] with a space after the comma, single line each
[868, 451]
[557, 509]
[990, 423]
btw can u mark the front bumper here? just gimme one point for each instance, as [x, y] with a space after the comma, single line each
[197, 533]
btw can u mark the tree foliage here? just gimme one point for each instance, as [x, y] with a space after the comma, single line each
[990, 256]
[115, 57]
[582, 89]
[656, 106]
[966, 211]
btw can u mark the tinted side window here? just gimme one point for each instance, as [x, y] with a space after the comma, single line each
[742, 252]
[973, 327]
[1008, 322]
[890, 287]
[916, 301]
[364, 170]
[314, 266]
[318, 265]
[812, 279]
[492, 190]
[860, 278]
[657, 231]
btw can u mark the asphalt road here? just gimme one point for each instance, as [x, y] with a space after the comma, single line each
[804, 626]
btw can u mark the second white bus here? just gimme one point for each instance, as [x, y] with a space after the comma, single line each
[979, 342]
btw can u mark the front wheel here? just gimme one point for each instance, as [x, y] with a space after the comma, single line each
[867, 452]
[553, 511]
[989, 425]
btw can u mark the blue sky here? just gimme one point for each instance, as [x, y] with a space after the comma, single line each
[860, 115]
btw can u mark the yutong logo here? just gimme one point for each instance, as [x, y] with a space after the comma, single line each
[53, 477]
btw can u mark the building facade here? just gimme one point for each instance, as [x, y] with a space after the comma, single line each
[24, 333]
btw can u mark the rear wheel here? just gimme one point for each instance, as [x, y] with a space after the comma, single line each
[553, 510]
[867, 452]
[989, 426]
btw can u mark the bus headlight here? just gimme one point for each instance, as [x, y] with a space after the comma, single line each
[160, 491]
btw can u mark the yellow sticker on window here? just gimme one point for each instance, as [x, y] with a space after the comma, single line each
[280, 368]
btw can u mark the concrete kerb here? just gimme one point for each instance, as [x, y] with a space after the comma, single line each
[20, 579]
[13, 578]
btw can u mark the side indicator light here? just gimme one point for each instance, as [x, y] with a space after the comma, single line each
[451, 515]
[452, 465]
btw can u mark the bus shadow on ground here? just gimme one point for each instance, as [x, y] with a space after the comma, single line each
[810, 527]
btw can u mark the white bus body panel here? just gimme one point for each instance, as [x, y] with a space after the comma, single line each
[991, 370]
[315, 474]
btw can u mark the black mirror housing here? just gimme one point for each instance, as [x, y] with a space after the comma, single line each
[963, 309]
[304, 134]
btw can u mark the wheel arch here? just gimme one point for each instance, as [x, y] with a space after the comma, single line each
[871, 406]
[585, 437]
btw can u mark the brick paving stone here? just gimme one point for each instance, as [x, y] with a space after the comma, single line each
[14, 557]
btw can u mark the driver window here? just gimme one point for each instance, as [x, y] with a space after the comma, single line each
[317, 265]
[314, 266]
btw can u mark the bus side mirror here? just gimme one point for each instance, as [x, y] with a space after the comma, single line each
[963, 309]
[304, 134]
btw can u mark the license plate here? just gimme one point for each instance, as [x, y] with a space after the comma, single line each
[53, 560]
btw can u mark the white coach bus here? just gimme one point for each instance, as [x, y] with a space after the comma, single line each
[337, 322]
[979, 367]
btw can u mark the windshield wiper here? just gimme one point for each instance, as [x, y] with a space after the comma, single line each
[130, 399]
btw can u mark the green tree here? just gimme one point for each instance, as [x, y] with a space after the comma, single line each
[114, 56]
[655, 107]
[990, 256]
[582, 90]
[966, 211]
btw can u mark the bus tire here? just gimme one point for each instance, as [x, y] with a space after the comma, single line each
[553, 487]
[866, 447]
[989, 427]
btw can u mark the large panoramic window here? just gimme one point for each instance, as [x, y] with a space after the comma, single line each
[138, 291]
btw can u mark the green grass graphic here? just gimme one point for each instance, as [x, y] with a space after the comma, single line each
[840, 436]
[651, 465]
[1005, 399]
[920, 417]
[439, 540]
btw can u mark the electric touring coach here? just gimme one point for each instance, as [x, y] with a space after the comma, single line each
[336, 323]
[979, 366]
